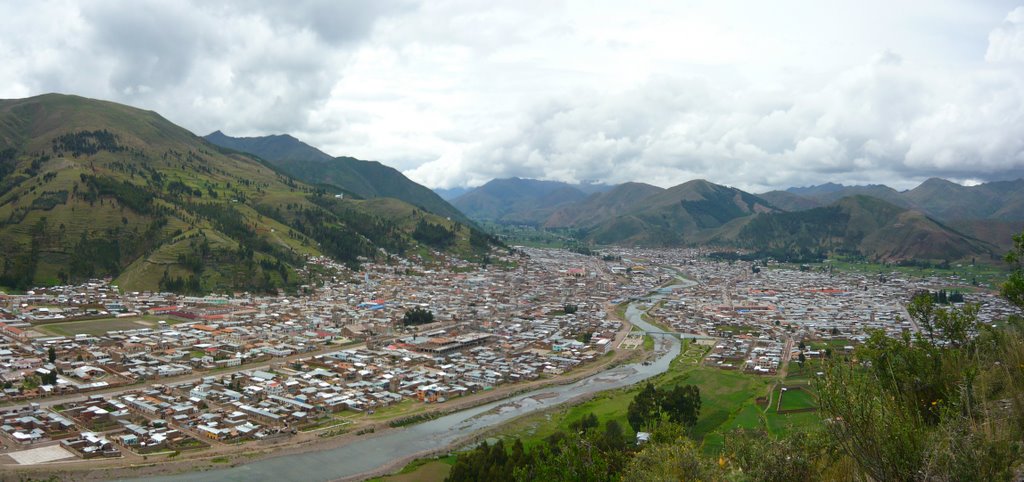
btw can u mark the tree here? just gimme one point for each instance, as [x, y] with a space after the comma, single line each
[574, 459]
[682, 404]
[1013, 288]
[677, 460]
[51, 354]
[613, 438]
[417, 316]
[589, 421]
[570, 309]
[922, 310]
[802, 359]
[645, 410]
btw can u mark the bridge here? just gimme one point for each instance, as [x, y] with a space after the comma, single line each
[682, 336]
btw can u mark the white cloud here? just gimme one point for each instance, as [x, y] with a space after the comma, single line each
[1006, 42]
[455, 92]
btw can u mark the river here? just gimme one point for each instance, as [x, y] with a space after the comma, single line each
[374, 452]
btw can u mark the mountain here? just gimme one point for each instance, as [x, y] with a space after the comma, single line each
[788, 201]
[1003, 200]
[602, 206]
[517, 201]
[91, 188]
[679, 215]
[943, 200]
[279, 148]
[450, 194]
[863, 225]
[818, 190]
[830, 193]
[364, 179]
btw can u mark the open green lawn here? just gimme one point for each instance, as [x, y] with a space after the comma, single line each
[102, 326]
[750, 417]
[781, 424]
[796, 399]
[422, 470]
[723, 394]
[727, 400]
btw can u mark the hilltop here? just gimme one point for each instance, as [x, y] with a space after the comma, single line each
[90, 188]
[362, 179]
[518, 201]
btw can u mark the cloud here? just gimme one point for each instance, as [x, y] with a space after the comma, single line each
[246, 67]
[1006, 42]
[457, 92]
[879, 122]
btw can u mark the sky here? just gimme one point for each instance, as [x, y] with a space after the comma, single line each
[755, 95]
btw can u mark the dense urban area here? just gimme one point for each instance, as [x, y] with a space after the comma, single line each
[92, 372]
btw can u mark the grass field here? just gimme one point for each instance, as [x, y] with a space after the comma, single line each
[102, 326]
[727, 400]
[781, 424]
[750, 417]
[797, 399]
[422, 470]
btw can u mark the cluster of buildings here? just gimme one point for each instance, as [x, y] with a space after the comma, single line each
[759, 316]
[182, 373]
[185, 373]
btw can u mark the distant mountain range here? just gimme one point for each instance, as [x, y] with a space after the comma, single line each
[937, 220]
[364, 179]
[90, 188]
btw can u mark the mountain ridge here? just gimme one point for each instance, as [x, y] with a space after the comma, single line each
[365, 179]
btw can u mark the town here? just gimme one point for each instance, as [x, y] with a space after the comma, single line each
[91, 372]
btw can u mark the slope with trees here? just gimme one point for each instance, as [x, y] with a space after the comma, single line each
[364, 179]
[96, 189]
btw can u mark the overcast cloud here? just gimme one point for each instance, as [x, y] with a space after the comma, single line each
[757, 95]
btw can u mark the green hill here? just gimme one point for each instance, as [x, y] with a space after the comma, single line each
[859, 224]
[91, 188]
[947, 200]
[679, 215]
[601, 206]
[364, 179]
[518, 201]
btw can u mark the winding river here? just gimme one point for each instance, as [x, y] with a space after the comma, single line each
[364, 456]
